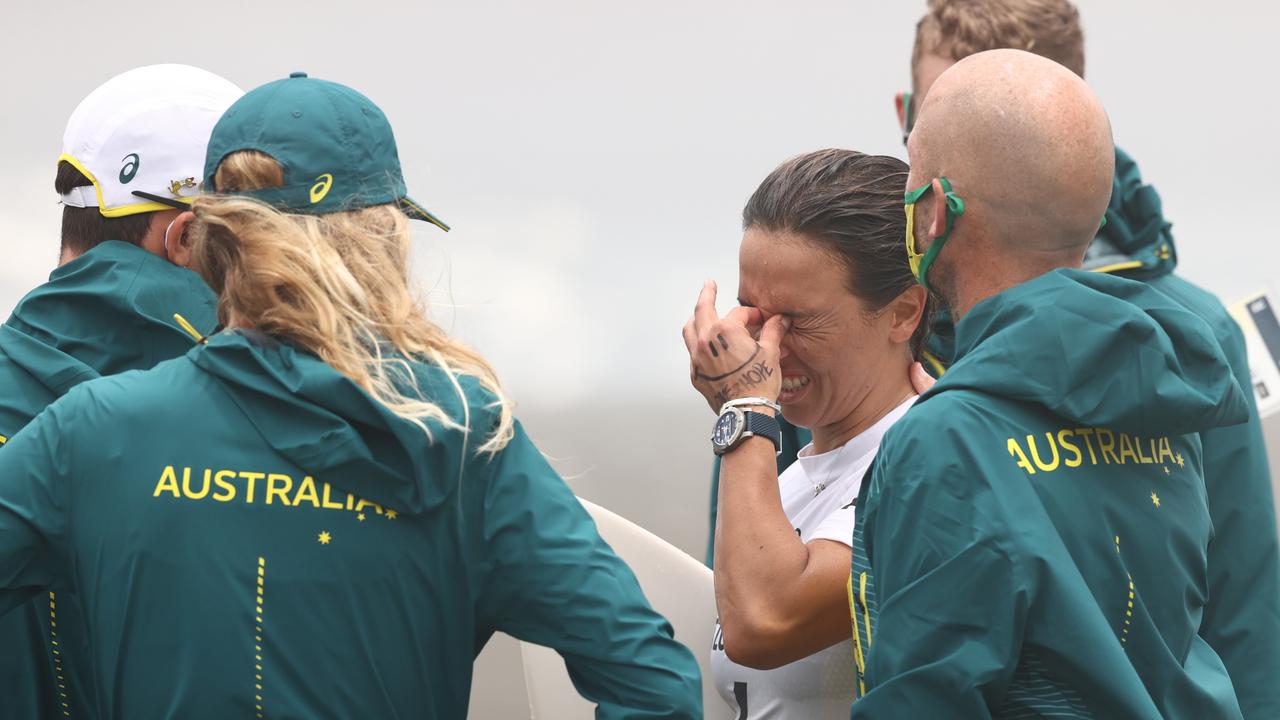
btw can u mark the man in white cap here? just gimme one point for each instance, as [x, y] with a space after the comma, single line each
[120, 299]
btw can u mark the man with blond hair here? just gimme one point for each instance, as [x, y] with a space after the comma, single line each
[1242, 616]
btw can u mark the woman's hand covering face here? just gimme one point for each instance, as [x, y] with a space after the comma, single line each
[734, 356]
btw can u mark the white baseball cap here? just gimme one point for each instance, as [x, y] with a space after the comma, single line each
[140, 138]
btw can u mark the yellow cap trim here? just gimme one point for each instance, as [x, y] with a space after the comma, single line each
[70, 160]
[426, 215]
[124, 210]
[140, 208]
[3, 439]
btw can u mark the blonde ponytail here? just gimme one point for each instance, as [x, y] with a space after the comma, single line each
[336, 285]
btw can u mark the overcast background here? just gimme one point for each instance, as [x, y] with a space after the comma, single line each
[593, 158]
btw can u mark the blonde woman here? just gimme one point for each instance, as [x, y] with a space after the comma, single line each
[326, 509]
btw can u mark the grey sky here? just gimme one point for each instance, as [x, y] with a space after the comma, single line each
[593, 158]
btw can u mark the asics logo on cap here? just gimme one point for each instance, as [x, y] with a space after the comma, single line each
[130, 167]
[321, 188]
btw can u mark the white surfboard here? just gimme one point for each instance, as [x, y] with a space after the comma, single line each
[677, 586]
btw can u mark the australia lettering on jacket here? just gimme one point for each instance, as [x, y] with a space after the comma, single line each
[266, 488]
[1073, 447]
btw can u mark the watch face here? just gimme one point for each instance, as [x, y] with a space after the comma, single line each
[726, 429]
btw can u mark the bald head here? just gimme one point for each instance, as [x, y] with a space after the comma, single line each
[1027, 145]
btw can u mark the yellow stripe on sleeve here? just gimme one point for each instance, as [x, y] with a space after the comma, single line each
[1119, 267]
[865, 612]
[858, 658]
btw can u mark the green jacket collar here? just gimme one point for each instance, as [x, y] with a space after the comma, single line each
[1097, 350]
[112, 310]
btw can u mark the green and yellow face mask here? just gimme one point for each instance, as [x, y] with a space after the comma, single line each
[920, 262]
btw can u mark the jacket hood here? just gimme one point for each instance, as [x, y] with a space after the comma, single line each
[108, 311]
[1100, 351]
[1136, 240]
[329, 426]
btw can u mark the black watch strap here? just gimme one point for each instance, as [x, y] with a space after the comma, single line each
[765, 426]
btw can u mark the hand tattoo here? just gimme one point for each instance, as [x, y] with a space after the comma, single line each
[756, 375]
[723, 343]
[713, 378]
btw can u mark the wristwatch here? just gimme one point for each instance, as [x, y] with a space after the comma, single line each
[735, 425]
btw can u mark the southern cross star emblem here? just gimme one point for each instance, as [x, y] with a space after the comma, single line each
[1155, 499]
[324, 537]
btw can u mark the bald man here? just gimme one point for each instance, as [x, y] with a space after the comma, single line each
[1242, 618]
[1032, 538]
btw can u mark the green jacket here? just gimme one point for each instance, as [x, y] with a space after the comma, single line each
[1032, 539]
[266, 538]
[106, 312]
[1242, 619]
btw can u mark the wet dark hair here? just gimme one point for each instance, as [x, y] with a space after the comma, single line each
[849, 203]
[86, 228]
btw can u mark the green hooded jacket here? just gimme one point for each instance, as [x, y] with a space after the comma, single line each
[1242, 619]
[1032, 540]
[108, 311]
[267, 539]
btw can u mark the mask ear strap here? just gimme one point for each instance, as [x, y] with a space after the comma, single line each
[955, 208]
[909, 199]
[927, 260]
[912, 197]
[166, 236]
[955, 204]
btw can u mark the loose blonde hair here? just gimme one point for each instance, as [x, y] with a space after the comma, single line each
[960, 28]
[336, 285]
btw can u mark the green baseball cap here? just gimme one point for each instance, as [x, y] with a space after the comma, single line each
[335, 145]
